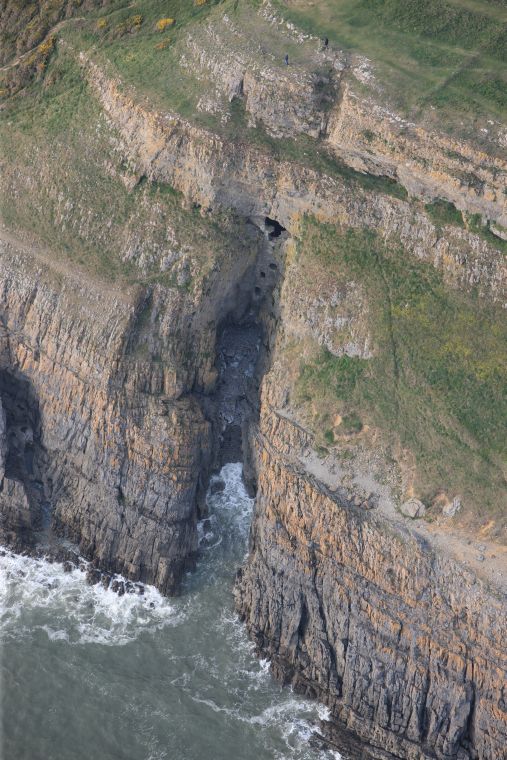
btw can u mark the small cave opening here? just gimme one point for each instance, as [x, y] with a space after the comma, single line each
[273, 228]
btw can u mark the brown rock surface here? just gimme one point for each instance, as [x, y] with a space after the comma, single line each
[403, 643]
[118, 444]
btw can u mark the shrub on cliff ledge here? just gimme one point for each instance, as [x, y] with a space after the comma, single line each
[163, 23]
[128, 26]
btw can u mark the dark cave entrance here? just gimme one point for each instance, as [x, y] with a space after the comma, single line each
[273, 228]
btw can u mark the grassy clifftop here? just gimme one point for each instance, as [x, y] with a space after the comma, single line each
[434, 389]
[439, 61]
[444, 55]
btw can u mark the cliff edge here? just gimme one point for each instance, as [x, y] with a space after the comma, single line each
[174, 194]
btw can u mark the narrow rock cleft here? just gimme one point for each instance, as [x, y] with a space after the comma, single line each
[243, 344]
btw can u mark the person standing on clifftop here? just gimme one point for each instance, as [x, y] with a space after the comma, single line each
[326, 43]
[286, 59]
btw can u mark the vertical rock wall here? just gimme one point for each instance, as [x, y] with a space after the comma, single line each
[404, 645]
[115, 443]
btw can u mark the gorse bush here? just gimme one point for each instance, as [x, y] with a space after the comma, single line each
[163, 23]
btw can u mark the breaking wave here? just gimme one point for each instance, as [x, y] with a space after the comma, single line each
[186, 680]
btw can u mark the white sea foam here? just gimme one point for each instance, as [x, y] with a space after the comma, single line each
[230, 511]
[40, 598]
[66, 608]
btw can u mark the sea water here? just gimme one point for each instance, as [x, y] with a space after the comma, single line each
[90, 675]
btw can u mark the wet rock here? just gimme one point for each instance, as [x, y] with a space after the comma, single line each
[93, 576]
[217, 485]
[105, 581]
[413, 508]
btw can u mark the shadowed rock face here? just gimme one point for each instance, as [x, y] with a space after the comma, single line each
[113, 416]
[103, 438]
[93, 434]
[23, 491]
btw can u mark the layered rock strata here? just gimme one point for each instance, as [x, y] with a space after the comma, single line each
[103, 423]
[210, 170]
[111, 424]
[404, 645]
[334, 96]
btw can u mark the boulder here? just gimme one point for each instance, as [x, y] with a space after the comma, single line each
[413, 508]
[217, 485]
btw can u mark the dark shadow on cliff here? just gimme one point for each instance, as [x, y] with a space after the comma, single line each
[244, 337]
[24, 506]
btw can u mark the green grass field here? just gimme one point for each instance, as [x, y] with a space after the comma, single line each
[437, 383]
[449, 54]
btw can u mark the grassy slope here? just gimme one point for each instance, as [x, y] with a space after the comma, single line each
[63, 185]
[437, 384]
[144, 56]
[450, 54]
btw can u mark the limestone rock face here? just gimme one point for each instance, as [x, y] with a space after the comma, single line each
[404, 645]
[426, 163]
[101, 426]
[210, 170]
